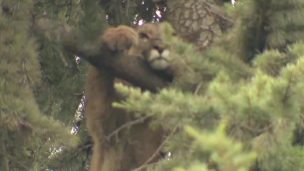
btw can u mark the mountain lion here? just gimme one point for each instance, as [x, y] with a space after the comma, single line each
[145, 42]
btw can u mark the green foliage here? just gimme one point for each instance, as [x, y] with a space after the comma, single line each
[63, 77]
[261, 111]
[42, 85]
[198, 69]
[237, 106]
[261, 104]
[26, 134]
[228, 154]
[266, 24]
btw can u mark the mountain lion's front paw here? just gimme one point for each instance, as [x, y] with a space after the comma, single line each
[120, 38]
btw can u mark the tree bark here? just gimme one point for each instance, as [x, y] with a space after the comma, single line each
[198, 21]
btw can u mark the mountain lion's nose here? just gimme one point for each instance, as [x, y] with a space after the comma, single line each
[160, 49]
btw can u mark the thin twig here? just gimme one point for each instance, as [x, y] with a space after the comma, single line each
[157, 151]
[198, 87]
[128, 124]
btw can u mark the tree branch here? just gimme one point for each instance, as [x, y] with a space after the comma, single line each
[126, 125]
[129, 68]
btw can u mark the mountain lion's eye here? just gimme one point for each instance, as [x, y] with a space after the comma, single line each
[144, 36]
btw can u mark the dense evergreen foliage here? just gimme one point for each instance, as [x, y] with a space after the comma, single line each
[234, 107]
[27, 134]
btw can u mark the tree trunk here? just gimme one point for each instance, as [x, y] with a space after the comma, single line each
[198, 21]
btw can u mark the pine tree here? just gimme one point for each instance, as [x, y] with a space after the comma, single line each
[27, 134]
[235, 106]
[254, 86]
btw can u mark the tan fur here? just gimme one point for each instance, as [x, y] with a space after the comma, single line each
[99, 97]
[134, 146]
[146, 42]
[120, 38]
